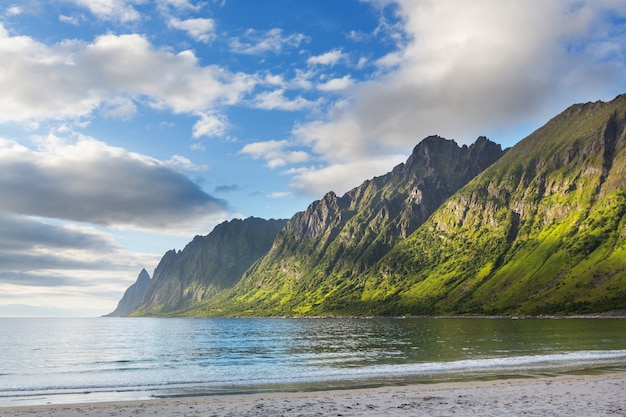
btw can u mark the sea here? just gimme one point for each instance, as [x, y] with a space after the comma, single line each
[56, 361]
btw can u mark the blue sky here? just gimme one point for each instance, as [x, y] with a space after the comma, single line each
[129, 126]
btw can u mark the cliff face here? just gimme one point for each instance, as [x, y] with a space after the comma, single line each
[541, 231]
[133, 296]
[325, 247]
[207, 265]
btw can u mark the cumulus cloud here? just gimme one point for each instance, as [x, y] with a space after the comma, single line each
[336, 84]
[88, 181]
[72, 79]
[329, 58]
[274, 153]
[200, 29]
[495, 65]
[179, 5]
[118, 10]
[14, 10]
[184, 164]
[210, 125]
[257, 42]
[336, 141]
[302, 80]
[276, 100]
[462, 71]
[340, 177]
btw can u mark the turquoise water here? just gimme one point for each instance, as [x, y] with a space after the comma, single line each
[110, 359]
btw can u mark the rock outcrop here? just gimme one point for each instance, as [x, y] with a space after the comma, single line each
[133, 296]
[207, 265]
[337, 238]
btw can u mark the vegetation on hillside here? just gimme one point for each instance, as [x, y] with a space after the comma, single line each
[540, 231]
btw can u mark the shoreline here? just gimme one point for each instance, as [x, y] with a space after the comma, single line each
[616, 314]
[589, 395]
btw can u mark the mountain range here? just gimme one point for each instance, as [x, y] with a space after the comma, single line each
[539, 228]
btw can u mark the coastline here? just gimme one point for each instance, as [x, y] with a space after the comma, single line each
[611, 314]
[589, 395]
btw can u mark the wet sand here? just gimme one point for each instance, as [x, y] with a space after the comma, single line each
[586, 395]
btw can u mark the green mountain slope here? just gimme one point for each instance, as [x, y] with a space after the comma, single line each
[322, 250]
[207, 265]
[454, 230]
[542, 231]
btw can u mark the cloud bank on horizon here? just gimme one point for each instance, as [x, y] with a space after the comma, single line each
[128, 126]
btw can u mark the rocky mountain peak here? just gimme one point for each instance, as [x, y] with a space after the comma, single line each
[143, 278]
[343, 236]
[318, 217]
[536, 229]
[208, 264]
[133, 296]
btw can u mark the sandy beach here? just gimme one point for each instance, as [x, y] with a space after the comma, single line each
[589, 395]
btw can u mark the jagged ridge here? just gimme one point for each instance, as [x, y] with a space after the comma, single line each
[540, 232]
[207, 265]
[321, 249]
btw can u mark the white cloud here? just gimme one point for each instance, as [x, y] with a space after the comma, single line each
[200, 29]
[274, 153]
[329, 58]
[467, 70]
[336, 141]
[357, 36]
[276, 100]
[341, 177]
[72, 20]
[184, 164]
[14, 10]
[256, 42]
[210, 125]
[336, 84]
[89, 181]
[279, 194]
[118, 10]
[73, 79]
[180, 4]
[302, 80]
[273, 79]
[53, 264]
[119, 108]
[24, 234]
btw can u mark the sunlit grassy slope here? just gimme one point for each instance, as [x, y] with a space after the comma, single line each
[323, 251]
[540, 231]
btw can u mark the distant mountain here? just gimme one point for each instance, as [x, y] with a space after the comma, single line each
[207, 265]
[322, 250]
[133, 296]
[537, 229]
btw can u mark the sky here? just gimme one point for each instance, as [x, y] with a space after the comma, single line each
[127, 127]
